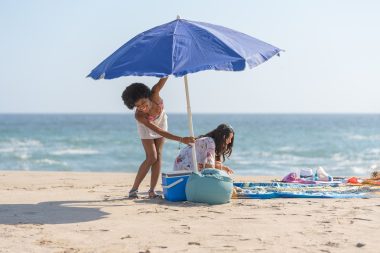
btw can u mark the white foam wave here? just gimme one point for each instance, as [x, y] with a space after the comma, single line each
[15, 145]
[51, 162]
[244, 162]
[338, 157]
[374, 151]
[7, 150]
[75, 152]
[287, 148]
[358, 137]
[23, 156]
[23, 143]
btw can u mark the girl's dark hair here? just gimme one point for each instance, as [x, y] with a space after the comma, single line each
[134, 92]
[219, 135]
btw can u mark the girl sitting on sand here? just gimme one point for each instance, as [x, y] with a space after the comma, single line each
[211, 150]
[152, 127]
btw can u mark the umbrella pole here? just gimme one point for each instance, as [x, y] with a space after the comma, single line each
[190, 122]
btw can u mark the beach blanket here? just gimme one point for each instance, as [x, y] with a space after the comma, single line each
[293, 190]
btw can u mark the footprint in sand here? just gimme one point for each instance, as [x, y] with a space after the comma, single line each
[230, 247]
[362, 219]
[44, 242]
[244, 218]
[332, 244]
[162, 247]
[212, 211]
[71, 250]
[94, 230]
[171, 209]
[204, 216]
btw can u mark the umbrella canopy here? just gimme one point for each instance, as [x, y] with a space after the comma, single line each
[181, 47]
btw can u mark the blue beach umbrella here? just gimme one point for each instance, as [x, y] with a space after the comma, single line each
[181, 47]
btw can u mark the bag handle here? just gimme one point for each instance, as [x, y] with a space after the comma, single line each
[172, 184]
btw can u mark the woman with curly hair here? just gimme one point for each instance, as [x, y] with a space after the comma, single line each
[152, 127]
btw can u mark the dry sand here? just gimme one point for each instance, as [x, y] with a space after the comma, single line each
[88, 212]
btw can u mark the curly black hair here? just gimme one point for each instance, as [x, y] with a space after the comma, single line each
[134, 92]
[219, 135]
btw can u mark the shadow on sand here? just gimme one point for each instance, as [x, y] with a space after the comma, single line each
[65, 212]
[53, 212]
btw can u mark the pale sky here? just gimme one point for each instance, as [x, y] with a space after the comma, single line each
[331, 63]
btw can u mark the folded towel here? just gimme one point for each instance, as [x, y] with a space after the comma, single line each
[321, 175]
[306, 173]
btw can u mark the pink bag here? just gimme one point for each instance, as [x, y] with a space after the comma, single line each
[290, 178]
[293, 178]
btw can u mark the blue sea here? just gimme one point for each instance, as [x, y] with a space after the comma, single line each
[265, 144]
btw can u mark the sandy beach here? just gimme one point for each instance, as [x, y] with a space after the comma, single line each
[89, 212]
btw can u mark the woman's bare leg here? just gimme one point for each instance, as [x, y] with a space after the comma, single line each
[151, 158]
[156, 167]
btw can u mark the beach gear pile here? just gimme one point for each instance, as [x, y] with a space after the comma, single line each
[212, 186]
[311, 185]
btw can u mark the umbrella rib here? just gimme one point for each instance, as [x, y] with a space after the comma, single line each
[173, 44]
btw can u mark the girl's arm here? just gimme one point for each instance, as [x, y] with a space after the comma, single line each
[157, 88]
[217, 166]
[140, 117]
[213, 166]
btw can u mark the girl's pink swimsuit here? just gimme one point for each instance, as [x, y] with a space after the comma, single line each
[161, 105]
[161, 120]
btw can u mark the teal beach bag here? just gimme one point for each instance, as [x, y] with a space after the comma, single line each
[211, 186]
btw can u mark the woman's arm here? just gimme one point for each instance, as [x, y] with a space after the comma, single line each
[140, 117]
[157, 88]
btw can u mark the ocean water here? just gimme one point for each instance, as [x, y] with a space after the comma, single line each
[265, 144]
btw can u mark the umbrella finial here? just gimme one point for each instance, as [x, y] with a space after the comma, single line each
[178, 17]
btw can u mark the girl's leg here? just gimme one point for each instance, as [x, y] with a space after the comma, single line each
[151, 158]
[156, 167]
